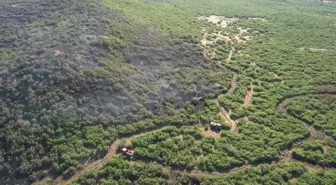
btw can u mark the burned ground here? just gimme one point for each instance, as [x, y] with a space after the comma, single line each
[66, 67]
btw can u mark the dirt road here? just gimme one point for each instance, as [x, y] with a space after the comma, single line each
[114, 146]
[226, 116]
[249, 96]
[94, 165]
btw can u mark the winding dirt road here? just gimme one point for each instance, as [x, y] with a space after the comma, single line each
[313, 133]
[114, 146]
[92, 166]
[233, 83]
[223, 113]
[226, 116]
[285, 155]
[98, 164]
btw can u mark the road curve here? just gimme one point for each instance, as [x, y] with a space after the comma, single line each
[313, 132]
[281, 108]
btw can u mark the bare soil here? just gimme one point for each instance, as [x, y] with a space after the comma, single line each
[226, 116]
[249, 96]
[257, 19]
[219, 20]
[94, 165]
[210, 133]
[233, 83]
[285, 155]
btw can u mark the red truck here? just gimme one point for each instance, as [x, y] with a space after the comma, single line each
[127, 152]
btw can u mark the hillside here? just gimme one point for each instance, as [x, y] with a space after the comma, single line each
[82, 78]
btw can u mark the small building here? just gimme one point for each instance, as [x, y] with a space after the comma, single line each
[215, 126]
[127, 152]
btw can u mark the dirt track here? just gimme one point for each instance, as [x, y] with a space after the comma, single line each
[233, 83]
[285, 156]
[223, 113]
[249, 96]
[114, 146]
[226, 116]
[313, 133]
[94, 165]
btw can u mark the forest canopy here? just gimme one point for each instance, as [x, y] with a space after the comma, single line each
[202, 91]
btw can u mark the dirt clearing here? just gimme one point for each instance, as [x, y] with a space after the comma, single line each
[94, 165]
[257, 19]
[226, 116]
[219, 20]
[210, 133]
[249, 96]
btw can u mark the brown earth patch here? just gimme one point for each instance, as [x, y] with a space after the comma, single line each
[218, 20]
[257, 19]
[249, 96]
[313, 168]
[113, 152]
[210, 133]
[226, 116]
[233, 83]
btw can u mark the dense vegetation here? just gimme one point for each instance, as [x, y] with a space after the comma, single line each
[76, 75]
[186, 148]
[318, 110]
[290, 173]
[71, 74]
[120, 171]
[316, 152]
